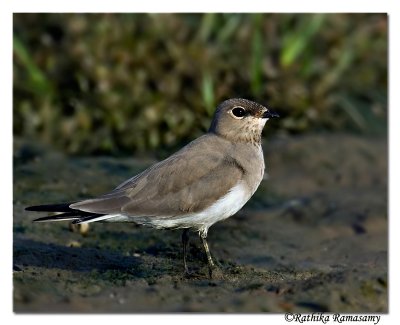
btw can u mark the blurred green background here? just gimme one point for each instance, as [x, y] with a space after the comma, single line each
[124, 83]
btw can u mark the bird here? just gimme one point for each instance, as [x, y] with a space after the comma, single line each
[207, 181]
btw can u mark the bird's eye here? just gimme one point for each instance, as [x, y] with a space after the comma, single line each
[238, 111]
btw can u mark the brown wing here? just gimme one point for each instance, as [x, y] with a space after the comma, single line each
[188, 181]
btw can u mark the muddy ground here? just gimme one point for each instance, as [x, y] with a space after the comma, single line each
[313, 237]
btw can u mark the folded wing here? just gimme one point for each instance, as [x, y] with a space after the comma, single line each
[188, 181]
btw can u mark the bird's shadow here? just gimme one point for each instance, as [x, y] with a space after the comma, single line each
[28, 252]
[33, 253]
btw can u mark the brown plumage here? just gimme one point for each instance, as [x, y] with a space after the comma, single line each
[206, 181]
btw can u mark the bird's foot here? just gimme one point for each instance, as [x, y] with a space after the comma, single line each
[189, 275]
[215, 272]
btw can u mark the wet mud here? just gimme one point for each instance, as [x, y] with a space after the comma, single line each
[313, 237]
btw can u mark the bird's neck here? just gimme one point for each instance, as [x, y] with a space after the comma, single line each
[249, 137]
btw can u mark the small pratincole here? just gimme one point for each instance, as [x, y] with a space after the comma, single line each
[207, 181]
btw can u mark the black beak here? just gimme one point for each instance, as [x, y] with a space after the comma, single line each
[269, 114]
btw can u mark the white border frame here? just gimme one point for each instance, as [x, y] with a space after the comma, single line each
[7, 7]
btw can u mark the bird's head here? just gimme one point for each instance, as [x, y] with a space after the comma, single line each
[241, 120]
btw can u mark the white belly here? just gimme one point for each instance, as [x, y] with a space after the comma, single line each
[225, 207]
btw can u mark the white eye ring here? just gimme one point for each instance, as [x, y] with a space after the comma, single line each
[238, 112]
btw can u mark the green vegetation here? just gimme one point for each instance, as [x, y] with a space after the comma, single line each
[118, 83]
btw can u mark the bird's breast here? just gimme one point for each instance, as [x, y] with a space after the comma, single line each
[253, 161]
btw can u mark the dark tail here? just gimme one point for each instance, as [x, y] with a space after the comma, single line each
[62, 207]
[65, 213]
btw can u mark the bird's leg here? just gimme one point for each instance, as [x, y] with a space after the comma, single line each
[203, 235]
[185, 242]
